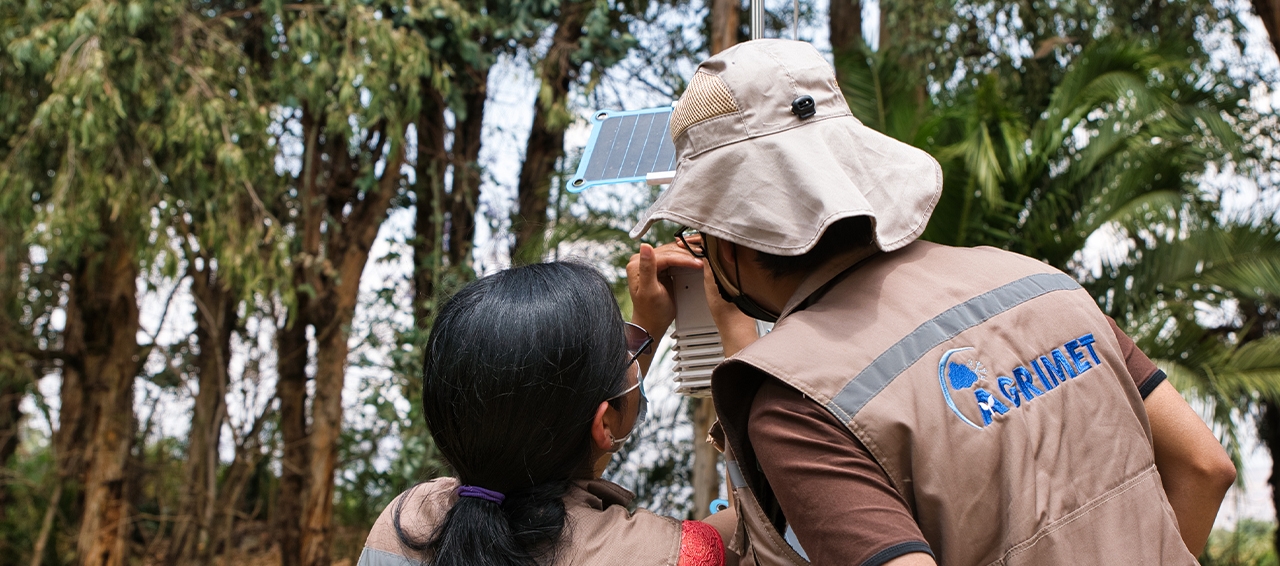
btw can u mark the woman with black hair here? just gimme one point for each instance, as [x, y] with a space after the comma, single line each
[531, 382]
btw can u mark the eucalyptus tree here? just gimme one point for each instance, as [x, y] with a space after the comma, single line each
[466, 42]
[590, 37]
[117, 106]
[347, 79]
[19, 93]
[227, 244]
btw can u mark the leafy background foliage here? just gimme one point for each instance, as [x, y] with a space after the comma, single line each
[282, 178]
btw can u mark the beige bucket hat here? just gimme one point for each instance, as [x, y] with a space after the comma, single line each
[759, 166]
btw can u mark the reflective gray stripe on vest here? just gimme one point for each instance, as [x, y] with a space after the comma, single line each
[375, 557]
[907, 351]
[735, 475]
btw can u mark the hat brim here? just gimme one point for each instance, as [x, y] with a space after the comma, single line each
[779, 192]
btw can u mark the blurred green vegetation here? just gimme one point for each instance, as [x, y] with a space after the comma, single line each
[1248, 544]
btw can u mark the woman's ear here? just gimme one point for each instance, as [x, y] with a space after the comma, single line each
[602, 427]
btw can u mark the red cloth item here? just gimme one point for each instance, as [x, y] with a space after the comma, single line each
[700, 545]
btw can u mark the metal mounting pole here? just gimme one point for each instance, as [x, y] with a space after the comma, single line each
[795, 20]
[757, 19]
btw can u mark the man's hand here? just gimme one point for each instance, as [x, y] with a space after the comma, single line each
[652, 296]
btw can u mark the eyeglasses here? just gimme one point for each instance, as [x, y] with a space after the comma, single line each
[639, 343]
[696, 248]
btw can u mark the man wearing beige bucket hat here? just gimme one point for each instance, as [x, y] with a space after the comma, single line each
[914, 402]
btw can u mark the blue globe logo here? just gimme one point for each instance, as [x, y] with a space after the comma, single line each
[962, 376]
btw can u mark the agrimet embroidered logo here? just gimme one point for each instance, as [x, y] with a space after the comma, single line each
[962, 374]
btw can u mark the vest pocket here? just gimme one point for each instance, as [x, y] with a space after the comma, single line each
[1130, 524]
[764, 546]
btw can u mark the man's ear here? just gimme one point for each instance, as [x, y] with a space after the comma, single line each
[601, 427]
[725, 249]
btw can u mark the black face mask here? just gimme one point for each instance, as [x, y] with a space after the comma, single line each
[744, 303]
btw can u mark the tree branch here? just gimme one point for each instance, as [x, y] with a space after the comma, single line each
[287, 7]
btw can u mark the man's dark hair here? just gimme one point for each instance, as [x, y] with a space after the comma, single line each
[840, 237]
[516, 365]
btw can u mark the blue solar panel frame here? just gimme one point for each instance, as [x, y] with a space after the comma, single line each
[644, 151]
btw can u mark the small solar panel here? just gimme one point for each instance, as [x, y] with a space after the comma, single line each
[625, 147]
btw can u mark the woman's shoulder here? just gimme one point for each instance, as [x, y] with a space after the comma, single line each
[604, 531]
[418, 511]
[608, 502]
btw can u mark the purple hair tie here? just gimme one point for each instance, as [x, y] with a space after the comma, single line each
[480, 493]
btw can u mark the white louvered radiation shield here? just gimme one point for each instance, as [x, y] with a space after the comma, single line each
[697, 342]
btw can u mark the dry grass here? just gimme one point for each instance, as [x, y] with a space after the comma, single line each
[252, 545]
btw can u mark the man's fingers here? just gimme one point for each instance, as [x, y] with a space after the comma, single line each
[646, 266]
[650, 263]
[672, 255]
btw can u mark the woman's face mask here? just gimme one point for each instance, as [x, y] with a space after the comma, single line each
[639, 343]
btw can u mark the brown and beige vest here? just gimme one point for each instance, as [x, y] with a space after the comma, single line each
[599, 528]
[990, 389]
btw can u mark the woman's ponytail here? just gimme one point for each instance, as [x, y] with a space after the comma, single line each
[515, 368]
[521, 531]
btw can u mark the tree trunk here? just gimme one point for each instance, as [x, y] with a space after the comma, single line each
[293, 345]
[337, 227]
[326, 425]
[529, 223]
[291, 388]
[845, 26]
[465, 194]
[75, 409]
[46, 526]
[15, 374]
[546, 138]
[432, 161]
[215, 323]
[349, 253]
[725, 21]
[107, 297]
[248, 454]
[13, 387]
[1269, 12]
[706, 477]
[1259, 321]
[900, 29]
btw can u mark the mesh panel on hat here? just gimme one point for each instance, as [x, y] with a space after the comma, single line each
[706, 98]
